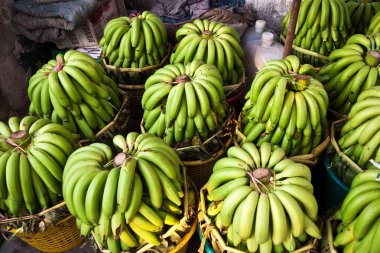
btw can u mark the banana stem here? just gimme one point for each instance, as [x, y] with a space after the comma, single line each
[119, 159]
[254, 180]
[206, 34]
[372, 58]
[16, 143]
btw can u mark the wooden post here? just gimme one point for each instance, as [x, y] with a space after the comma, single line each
[292, 27]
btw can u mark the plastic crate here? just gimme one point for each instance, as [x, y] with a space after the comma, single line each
[90, 33]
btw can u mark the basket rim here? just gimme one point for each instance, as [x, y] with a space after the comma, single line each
[337, 149]
[119, 69]
[33, 216]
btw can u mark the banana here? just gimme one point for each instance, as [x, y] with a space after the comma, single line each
[124, 186]
[93, 197]
[359, 118]
[46, 106]
[301, 111]
[81, 79]
[366, 219]
[294, 212]
[40, 190]
[311, 228]
[148, 236]
[143, 223]
[127, 237]
[262, 219]
[148, 172]
[356, 205]
[242, 154]
[313, 109]
[162, 162]
[110, 193]
[157, 97]
[235, 237]
[277, 155]
[265, 94]
[369, 149]
[365, 244]
[79, 196]
[231, 202]
[220, 57]
[229, 162]
[368, 131]
[222, 191]
[12, 173]
[265, 153]
[278, 100]
[293, 170]
[168, 188]
[228, 52]
[47, 177]
[298, 181]
[149, 213]
[304, 197]
[44, 158]
[135, 200]
[248, 215]
[3, 170]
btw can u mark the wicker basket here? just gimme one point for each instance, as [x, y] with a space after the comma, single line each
[130, 76]
[210, 232]
[200, 159]
[307, 56]
[344, 167]
[177, 236]
[116, 126]
[327, 241]
[61, 233]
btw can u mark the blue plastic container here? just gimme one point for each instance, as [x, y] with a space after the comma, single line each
[335, 190]
[208, 248]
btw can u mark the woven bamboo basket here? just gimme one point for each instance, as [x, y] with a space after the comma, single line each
[116, 126]
[344, 167]
[308, 159]
[177, 237]
[327, 241]
[307, 56]
[210, 232]
[60, 232]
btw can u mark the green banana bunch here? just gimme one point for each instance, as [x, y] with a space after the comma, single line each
[259, 199]
[359, 215]
[128, 198]
[322, 26]
[359, 138]
[34, 153]
[183, 101]
[361, 12]
[352, 69]
[374, 26]
[286, 107]
[213, 43]
[134, 42]
[74, 90]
